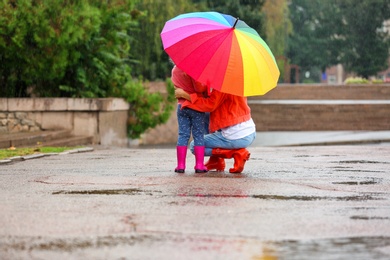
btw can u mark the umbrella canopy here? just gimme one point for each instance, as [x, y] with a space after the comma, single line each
[221, 51]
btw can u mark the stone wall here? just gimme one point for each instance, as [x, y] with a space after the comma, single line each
[104, 119]
[14, 122]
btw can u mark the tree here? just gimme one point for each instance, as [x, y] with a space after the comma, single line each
[37, 43]
[366, 47]
[247, 10]
[277, 27]
[75, 48]
[103, 66]
[310, 44]
[326, 33]
[147, 47]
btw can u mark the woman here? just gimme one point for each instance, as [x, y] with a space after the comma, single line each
[231, 128]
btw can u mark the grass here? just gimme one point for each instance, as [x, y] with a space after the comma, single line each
[11, 152]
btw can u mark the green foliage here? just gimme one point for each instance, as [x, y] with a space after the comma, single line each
[104, 65]
[37, 42]
[65, 48]
[356, 80]
[277, 25]
[12, 152]
[277, 28]
[147, 47]
[147, 110]
[366, 46]
[310, 44]
[68, 48]
[348, 32]
[247, 10]
[377, 81]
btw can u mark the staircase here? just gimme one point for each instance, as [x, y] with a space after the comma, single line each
[43, 138]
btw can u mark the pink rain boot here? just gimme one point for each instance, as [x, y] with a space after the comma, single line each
[199, 159]
[181, 153]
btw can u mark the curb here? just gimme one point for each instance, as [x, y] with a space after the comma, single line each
[40, 155]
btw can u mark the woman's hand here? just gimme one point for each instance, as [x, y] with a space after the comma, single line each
[180, 93]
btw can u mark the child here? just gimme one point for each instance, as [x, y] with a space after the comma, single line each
[189, 120]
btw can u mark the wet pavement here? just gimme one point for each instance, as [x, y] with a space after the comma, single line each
[306, 202]
[299, 138]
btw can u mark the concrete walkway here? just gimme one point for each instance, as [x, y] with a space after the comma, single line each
[308, 202]
[300, 138]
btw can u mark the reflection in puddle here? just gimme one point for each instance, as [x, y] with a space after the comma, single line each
[356, 182]
[342, 170]
[105, 192]
[285, 198]
[215, 174]
[368, 217]
[313, 198]
[364, 197]
[369, 247]
[71, 244]
[362, 161]
[334, 248]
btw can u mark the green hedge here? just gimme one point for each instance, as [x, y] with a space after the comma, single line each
[78, 48]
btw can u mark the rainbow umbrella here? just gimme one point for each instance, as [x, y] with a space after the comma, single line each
[221, 51]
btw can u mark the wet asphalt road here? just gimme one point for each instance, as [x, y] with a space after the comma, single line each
[315, 202]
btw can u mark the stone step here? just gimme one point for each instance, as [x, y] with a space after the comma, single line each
[39, 138]
[70, 141]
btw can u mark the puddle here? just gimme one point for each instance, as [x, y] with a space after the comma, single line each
[68, 245]
[105, 192]
[215, 174]
[285, 198]
[370, 247]
[342, 170]
[334, 248]
[356, 182]
[314, 198]
[362, 161]
[207, 195]
[256, 159]
[369, 217]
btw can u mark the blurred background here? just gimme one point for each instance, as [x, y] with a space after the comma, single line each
[104, 49]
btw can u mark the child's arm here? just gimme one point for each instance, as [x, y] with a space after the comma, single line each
[199, 87]
[200, 103]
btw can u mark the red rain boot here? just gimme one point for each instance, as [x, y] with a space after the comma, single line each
[199, 159]
[240, 157]
[215, 163]
[181, 153]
